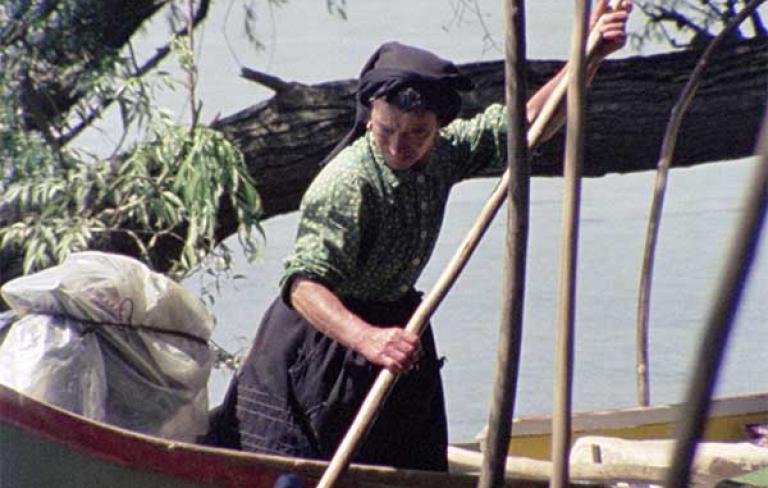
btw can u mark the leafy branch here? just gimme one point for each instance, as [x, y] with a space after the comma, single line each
[168, 189]
[160, 198]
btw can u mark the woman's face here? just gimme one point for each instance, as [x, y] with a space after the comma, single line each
[404, 138]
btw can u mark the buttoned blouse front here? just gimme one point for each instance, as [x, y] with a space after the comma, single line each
[366, 231]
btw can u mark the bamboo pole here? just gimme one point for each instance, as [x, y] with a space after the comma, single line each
[574, 154]
[417, 323]
[657, 203]
[496, 443]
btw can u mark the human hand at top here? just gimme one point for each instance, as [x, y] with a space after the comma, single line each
[393, 348]
[611, 23]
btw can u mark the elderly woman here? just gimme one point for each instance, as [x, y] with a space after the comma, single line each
[369, 222]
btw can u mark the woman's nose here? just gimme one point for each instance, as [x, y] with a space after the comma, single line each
[396, 145]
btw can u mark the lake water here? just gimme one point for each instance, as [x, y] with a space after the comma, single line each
[703, 204]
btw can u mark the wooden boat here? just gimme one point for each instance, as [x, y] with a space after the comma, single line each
[727, 420]
[42, 445]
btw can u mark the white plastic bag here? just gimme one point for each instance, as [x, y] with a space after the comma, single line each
[105, 337]
[51, 360]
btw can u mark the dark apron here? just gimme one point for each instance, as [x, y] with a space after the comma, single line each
[299, 390]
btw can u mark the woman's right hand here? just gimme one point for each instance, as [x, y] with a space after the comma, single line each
[393, 348]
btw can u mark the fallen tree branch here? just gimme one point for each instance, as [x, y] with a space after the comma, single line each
[285, 137]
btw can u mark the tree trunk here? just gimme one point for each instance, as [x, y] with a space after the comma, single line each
[285, 137]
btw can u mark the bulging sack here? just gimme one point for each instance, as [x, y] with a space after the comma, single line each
[105, 337]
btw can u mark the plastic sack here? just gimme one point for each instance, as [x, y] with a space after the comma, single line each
[103, 336]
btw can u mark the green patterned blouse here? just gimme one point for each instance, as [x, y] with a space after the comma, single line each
[366, 231]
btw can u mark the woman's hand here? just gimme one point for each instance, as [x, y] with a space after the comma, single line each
[393, 348]
[611, 23]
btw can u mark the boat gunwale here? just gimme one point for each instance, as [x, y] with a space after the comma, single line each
[621, 418]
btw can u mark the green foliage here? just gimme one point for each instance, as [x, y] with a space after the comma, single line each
[50, 26]
[50, 55]
[22, 153]
[167, 188]
[164, 193]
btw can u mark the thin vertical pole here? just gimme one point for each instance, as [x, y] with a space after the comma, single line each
[513, 280]
[574, 149]
[657, 204]
[725, 303]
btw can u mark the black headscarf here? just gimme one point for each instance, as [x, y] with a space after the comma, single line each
[395, 66]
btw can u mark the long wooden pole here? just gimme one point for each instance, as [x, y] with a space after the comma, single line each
[574, 154]
[386, 379]
[496, 443]
[657, 204]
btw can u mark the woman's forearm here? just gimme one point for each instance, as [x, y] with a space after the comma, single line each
[326, 313]
[389, 346]
[536, 103]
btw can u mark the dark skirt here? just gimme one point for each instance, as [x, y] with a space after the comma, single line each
[298, 391]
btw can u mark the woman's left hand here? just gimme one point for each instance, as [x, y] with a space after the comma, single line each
[612, 25]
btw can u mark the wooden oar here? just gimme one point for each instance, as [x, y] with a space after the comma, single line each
[386, 379]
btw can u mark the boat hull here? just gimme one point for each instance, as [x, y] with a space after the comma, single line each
[42, 445]
[727, 418]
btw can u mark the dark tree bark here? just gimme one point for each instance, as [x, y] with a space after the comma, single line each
[285, 137]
